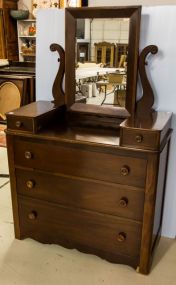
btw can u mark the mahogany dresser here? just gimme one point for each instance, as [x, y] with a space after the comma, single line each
[85, 189]
[91, 177]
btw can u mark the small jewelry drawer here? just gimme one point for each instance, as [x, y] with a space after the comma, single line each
[119, 200]
[79, 162]
[137, 138]
[47, 222]
[32, 117]
[20, 124]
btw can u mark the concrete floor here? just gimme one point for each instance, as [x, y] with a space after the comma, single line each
[28, 262]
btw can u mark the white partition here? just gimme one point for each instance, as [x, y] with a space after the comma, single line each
[158, 27]
[50, 29]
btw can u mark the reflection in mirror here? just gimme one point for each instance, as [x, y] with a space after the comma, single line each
[101, 61]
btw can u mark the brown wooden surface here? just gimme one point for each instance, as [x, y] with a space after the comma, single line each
[57, 90]
[10, 41]
[78, 188]
[149, 209]
[154, 132]
[145, 104]
[88, 229]
[109, 198]
[2, 36]
[10, 152]
[130, 12]
[139, 138]
[95, 165]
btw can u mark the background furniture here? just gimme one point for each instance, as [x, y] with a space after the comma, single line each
[15, 91]
[26, 41]
[104, 53]
[120, 49]
[8, 31]
[82, 51]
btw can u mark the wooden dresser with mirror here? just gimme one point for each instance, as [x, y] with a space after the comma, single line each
[89, 176]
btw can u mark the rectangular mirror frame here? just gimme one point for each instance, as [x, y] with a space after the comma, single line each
[72, 14]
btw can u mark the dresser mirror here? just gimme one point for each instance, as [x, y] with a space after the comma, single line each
[101, 59]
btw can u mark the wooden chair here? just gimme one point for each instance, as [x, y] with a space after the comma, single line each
[118, 83]
[15, 91]
[10, 98]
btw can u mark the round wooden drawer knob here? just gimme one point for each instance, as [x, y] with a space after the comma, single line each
[18, 124]
[121, 237]
[125, 170]
[30, 184]
[139, 138]
[32, 215]
[123, 202]
[28, 155]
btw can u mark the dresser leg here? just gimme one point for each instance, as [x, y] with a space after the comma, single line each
[137, 269]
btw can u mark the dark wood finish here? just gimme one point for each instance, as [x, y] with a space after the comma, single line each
[146, 134]
[58, 93]
[144, 105]
[62, 160]
[104, 197]
[41, 113]
[96, 189]
[82, 47]
[2, 36]
[129, 12]
[82, 228]
[8, 27]
[95, 182]
[19, 68]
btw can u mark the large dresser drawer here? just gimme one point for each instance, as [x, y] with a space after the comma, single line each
[124, 201]
[80, 162]
[47, 222]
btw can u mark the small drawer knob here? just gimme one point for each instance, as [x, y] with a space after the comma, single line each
[139, 138]
[121, 237]
[18, 124]
[123, 202]
[32, 215]
[30, 184]
[28, 155]
[125, 170]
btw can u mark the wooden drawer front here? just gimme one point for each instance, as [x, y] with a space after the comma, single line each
[50, 223]
[140, 139]
[118, 200]
[81, 163]
[19, 123]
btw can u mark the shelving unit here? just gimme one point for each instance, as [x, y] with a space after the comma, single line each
[26, 42]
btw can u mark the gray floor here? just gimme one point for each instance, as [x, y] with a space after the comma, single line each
[28, 262]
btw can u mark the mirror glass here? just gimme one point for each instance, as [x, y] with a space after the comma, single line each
[101, 62]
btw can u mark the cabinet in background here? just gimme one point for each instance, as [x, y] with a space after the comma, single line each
[8, 31]
[27, 39]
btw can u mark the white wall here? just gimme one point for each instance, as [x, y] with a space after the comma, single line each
[50, 29]
[158, 27]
